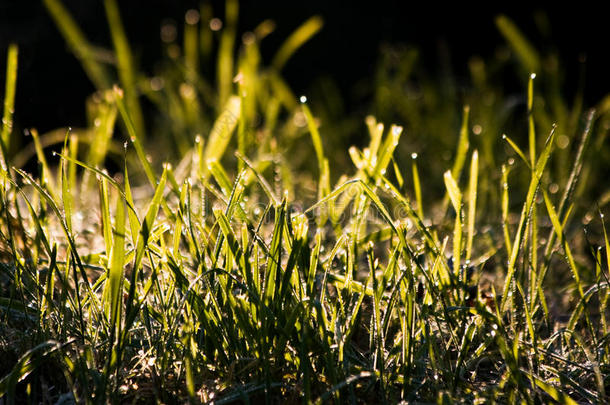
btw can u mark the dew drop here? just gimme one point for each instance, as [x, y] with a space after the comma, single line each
[303, 99]
[191, 17]
[168, 33]
[413, 155]
[156, 83]
[215, 24]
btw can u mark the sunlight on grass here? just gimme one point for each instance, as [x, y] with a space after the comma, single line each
[257, 267]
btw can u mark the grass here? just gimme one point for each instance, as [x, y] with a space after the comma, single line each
[260, 267]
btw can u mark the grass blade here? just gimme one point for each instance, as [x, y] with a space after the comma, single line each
[302, 34]
[9, 99]
[78, 44]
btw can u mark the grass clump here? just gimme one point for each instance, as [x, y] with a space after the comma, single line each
[246, 272]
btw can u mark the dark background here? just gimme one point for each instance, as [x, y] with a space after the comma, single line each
[52, 86]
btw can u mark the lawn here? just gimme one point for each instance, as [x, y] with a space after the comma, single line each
[218, 238]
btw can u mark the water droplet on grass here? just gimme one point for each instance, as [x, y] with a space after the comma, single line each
[303, 99]
[215, 24]
[191, 17]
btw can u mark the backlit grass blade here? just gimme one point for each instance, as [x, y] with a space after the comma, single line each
[79, 45]
[505, 211]
[397, 173]
[105, 113]
[561, 235]
[315, 134]
[9, 99]
[472, 201]
[527, 54]
[134, 135]
[67, 182]
[46, 177]
[221, 132]
[531, 130]
[261, 180]
[117, 257]
[302, 34]
[525, 214]
[455, 195]
[105, 213]
[191, 46]
[228, 233]
[573, 180]
[144, 238]
[272, 275]
[517, 149]
[417, 185]
[224, 68]
[127, 74]
[134, 221]
[386, 150]
[533, 226]
[462, 146]
[560, 397]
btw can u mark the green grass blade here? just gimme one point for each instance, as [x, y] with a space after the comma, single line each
[472, 201]
[117, 257]
[221, 132]
[134, 135]
[517, 149]
[302, 34]
[315, 134]
[105, 212]
[455, 195]
[505, 210]
[417, 185]
[261, 180]
[531, 130]
[127, 74]
[9, 99]
[527, 54]
[560, 397]
[525, 214]
[46, 177]
[79, 45]
[224, 69]
[462, 146]
[561, 235]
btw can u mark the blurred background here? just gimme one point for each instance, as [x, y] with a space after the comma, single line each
[52, 84]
